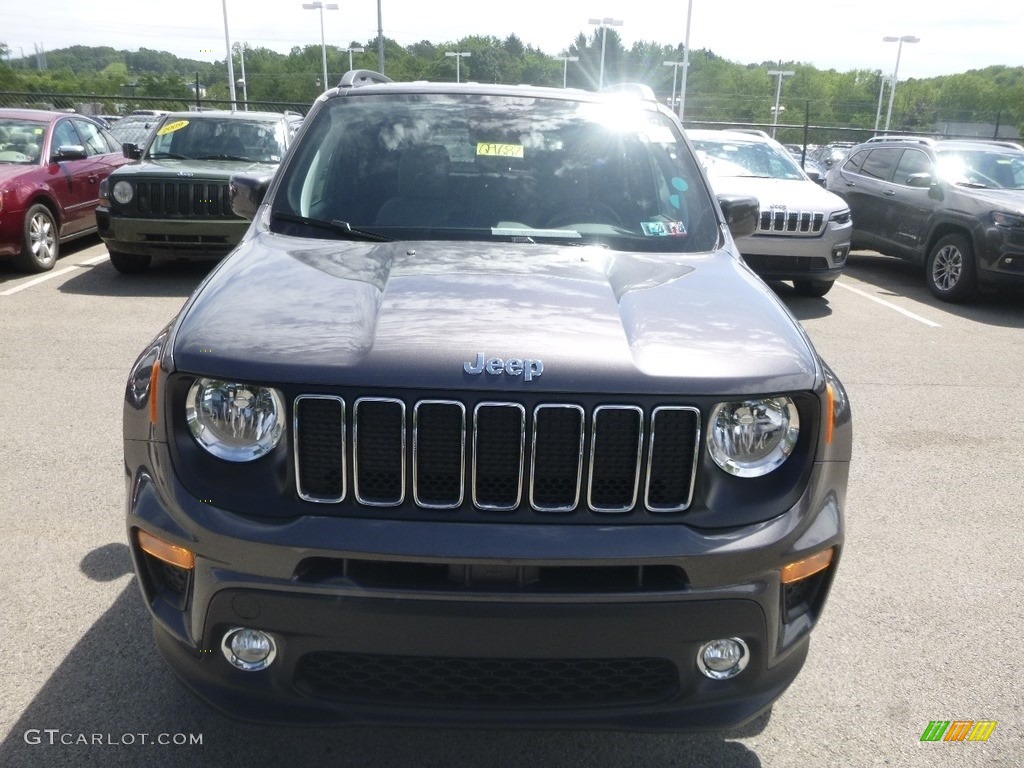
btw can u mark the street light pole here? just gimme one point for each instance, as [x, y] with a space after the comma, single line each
[350, 52]
[243, 81]
[778, 73]
[896, 70]
[675, 71]
[604, 23]
[323, 41]
[231, 58]
[380, 40]
[565, 67]
[881, 93]
[686, 61]
[458, 56]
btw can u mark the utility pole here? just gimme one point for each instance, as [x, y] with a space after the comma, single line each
[778, 73]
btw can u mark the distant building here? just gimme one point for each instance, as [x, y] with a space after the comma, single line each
[192, 87]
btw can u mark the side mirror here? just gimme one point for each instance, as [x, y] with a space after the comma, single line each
[813, 175]
[246, 193]
[922, 180]
[741, 214]
[68, 152]
[131, 150]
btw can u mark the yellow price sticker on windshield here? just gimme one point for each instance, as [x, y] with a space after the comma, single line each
[491, 149]
[177, 125]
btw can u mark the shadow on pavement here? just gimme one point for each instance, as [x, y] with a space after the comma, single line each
[113, 688]
[165, 278]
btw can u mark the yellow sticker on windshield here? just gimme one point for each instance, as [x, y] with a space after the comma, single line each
[177, 125]
[491, 149]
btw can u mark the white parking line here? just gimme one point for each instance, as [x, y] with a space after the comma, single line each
[890, 305]
[50, 275]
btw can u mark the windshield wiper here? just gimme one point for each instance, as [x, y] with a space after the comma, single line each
[343, 228]
[223, 157]
[172, 155]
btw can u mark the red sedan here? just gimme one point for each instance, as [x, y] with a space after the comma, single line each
[51, 166]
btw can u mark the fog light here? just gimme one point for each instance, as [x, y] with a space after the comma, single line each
[722, 659]
[248, 649]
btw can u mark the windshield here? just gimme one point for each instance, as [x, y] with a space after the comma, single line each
[218, 138]
[471, 166]
[21, 141]
[722, 157]
[995, 169]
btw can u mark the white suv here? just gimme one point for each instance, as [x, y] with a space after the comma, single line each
[803, 231]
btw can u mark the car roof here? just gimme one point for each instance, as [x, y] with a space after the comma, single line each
[44, 115]
[632, 92]
[221, 114]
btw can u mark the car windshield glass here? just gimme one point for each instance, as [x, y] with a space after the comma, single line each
[470, 166]
[21, 141]
[996, 169]
[218, 138]
[737, 158]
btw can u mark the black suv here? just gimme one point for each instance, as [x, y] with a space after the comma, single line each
[486, 421]
[957, 207]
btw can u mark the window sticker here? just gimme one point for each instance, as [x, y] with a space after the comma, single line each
[492, 149]
[177, 125]
[679, 185]
[38, 131]
[663, 228]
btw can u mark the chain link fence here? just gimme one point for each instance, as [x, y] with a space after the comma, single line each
[117, 106]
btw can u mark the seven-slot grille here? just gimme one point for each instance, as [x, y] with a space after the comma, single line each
[497, 455]
[791, 222]
[187, 199]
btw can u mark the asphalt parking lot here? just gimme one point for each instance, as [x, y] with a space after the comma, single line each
[924, 622]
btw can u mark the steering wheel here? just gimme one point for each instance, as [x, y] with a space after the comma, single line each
[592, 213]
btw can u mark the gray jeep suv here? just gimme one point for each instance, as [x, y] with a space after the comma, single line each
[955, 207]
[485, 421]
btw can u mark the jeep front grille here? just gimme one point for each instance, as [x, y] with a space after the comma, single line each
[497, 456]
[790, 222]
[181, 199]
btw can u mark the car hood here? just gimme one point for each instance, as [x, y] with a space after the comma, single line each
[9, 171]
[794, 194]
[414, 314]
[1000, 199]
[199, 168]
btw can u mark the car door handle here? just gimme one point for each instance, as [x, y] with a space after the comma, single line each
[889, 193]
[93, 179]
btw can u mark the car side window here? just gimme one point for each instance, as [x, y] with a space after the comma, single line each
[92, 140]
[854, 163]
[879, 163]
[64, 134]
[913, 161]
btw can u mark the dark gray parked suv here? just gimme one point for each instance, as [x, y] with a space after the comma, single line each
[485, 421]
[956, 207]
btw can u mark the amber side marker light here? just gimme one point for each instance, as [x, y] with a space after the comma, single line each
[809, 566]
[163, 550]
[830, 412]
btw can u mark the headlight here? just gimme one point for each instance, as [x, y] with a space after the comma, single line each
[1008, 220]
[235, 422]
[753, 437]
[840, 218]
[123, 192]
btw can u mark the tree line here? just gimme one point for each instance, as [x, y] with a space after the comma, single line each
[718, 90]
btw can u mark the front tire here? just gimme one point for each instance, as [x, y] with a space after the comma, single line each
[816, 288]
[40, 243]
[129, 263]
[950, 270]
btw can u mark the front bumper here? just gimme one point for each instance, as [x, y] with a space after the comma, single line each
[798, 257]
[180, 238]
[367, 632]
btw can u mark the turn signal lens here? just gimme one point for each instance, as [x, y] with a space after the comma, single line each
[164, 550]
[809, 566]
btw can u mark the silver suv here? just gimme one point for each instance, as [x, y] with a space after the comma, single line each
[803, 232]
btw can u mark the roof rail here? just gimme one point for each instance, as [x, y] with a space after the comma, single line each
[640, 90]
[912, 139]
[355, 78]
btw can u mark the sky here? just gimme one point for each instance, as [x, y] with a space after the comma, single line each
[828, 34]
